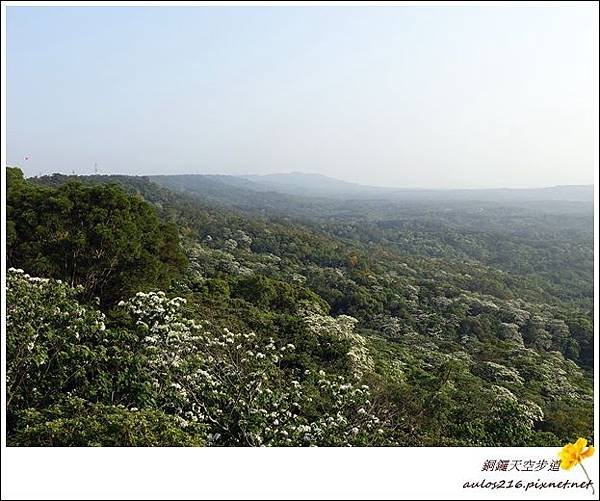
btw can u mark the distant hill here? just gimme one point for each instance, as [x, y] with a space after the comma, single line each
[299, 191]
[299, 183]
[571, 193]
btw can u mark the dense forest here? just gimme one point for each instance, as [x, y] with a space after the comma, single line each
[226, 311]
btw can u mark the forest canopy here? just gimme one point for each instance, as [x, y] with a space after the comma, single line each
[111, 243]
[142, 315]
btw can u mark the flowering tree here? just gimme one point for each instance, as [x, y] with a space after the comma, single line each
[341, 326]
[233, 384]
[189, 381]
[52, 343]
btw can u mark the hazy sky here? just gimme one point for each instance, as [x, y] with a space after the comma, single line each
[400, 96]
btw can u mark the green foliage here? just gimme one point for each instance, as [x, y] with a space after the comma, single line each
[95, 236]
[53, 346]
[77, 423]
[152, 376]
[265, 292]
[329, 323]
[217, 287]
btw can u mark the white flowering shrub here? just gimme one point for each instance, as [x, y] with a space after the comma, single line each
[52, 341]
[72, 380]
[147, 373]
[390, 326]
[498, 373]
[510, 421]
[502, 419]
[190, 382]
[242, 238]
[230, 244]
[510, 332]
[232, 384]
[341, 326]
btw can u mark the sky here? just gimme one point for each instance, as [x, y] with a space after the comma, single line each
[430, 97]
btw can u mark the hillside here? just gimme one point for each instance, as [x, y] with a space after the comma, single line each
[299, 183]
[377, 322]
[317, 185]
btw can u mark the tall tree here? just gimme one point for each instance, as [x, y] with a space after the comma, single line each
[98, 237]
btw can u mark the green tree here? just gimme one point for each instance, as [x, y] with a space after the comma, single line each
[98, 236]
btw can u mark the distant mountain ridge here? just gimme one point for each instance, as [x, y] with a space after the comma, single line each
[318, 185]
[280, 190]
[315, 183]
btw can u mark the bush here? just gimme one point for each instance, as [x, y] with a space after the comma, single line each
[77, 423]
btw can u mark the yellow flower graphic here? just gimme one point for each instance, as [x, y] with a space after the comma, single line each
[572, 454]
